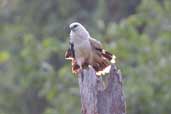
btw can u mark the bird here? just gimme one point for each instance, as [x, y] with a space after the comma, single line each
[85, 51]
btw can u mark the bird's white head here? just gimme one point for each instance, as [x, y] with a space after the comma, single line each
[78, 30]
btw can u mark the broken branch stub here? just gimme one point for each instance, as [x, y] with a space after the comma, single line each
[100, 98]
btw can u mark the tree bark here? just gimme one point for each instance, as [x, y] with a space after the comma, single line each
[98, 97]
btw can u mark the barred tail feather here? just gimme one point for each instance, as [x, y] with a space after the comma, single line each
[104, 71]
[75, 67]
[108, 56]
[104, 66]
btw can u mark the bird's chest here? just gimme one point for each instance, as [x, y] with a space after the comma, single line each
[82, 49]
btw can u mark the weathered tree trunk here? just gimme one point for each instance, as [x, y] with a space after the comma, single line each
[100, 98]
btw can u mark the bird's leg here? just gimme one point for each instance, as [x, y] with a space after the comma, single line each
[80, 61]
[82, 76]
[85, 65]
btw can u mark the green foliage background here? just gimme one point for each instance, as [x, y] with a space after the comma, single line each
[35, 78]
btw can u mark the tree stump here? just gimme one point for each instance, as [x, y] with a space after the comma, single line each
[100, 98]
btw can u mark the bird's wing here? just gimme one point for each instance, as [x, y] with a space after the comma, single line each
[95, 43]
[70, 53]
[102, 58]
[97, 46]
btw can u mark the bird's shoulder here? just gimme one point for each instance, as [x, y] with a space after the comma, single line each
[95, 43]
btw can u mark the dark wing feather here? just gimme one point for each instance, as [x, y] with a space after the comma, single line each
[70, 55]
[98, 47]
[102, 55]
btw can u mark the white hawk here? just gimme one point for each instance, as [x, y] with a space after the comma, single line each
[85, 50]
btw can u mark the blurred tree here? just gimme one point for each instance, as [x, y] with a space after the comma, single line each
[34, 77]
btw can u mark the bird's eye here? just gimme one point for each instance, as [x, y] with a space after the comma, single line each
[75, 26]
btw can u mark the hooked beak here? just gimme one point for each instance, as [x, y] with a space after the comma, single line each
[71, 28]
